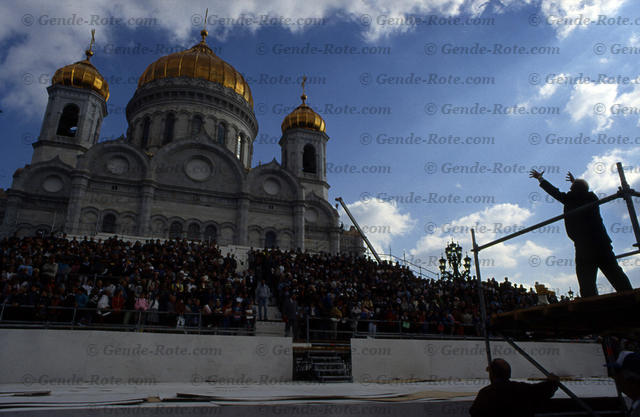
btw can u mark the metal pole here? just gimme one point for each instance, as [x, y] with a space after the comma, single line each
[355, 223]
[627, 198]
[546, 373]
[551, 220]
[483, 307]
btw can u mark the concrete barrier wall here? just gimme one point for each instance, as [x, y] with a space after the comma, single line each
[384, 360]
[64, 357]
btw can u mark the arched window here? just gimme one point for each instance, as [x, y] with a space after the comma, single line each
[109, 223]
[146, 127]
[175, 230]
[168, 128]
[196, 125]
[193, 232]
[68, 125]
[309, 159]
[238, 146]
[222, 134]
[270, 240]
[210, 233]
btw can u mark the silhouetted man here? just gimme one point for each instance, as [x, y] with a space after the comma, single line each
[506, 398]
[627, 374]
[586, 229]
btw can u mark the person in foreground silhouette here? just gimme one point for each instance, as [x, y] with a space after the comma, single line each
[586, 229]
[506, 398]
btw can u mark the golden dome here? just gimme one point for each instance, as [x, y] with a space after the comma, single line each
[198, 62]
[82, 74]
[303, 117]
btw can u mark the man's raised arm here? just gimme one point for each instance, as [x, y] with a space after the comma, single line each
[546, 185]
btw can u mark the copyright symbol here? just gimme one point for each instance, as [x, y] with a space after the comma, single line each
[196, 20]
[261, 48]
[365, 139]
[261, 108]
[429, 349]
[196, 379]
[534, 260]
[430, 48]
[534, 196]
[92, 350]
[365, 78]
[534, 138]
[28, 19]
[534, 20]
[431, 108]
[430, 228]
[261, 349]
[599, 108]
[599, 167]
[365, 197]
[28, 380]
[366, 379]
[27, 139]
[430, 167]
[599, 48]
[27, 78]
[534, 78]
[365, 20]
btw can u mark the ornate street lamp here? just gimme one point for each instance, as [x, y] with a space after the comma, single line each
[453, 253]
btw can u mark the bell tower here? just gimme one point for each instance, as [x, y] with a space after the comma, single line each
[304, 147]
[77, 105]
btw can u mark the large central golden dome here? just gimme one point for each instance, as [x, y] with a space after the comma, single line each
[198, 62]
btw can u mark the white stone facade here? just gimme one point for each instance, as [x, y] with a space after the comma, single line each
[183, 170]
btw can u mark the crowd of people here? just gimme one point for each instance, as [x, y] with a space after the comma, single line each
[180, 283]
[342, 293]
[171, 283]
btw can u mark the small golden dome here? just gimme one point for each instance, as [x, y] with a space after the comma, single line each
[198, 62]
[303, 117]
[82, 74]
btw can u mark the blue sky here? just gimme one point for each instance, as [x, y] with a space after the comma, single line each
[399, 87]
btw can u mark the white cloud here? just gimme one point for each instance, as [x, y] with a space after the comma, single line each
[38, 47]
[593, 101]
[491, 223]
[563, 13]
[602, 174]
[380, 220]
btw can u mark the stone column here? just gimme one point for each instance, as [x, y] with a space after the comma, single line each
[10, 220]
[144, 214]
[298, 225]
[334, 242]
[242, 222]
[156, 131]
[79, 185]
[181, 129]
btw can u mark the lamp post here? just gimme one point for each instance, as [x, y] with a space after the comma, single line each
[453, 253]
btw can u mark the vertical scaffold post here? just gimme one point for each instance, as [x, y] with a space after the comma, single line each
[483, 308]
[626, 194]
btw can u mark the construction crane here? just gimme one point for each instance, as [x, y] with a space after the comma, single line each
[355, 223]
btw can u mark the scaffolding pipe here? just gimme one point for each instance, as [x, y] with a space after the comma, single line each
[546, 373]
[483, 307]
[626, 194]
[355, 223]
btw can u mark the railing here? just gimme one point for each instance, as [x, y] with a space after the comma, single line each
[330, 329]
[417, 269]
[51, 317]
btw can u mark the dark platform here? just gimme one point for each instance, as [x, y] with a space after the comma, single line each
[610, 314]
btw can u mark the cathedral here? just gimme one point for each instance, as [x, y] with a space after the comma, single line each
[184, 168]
